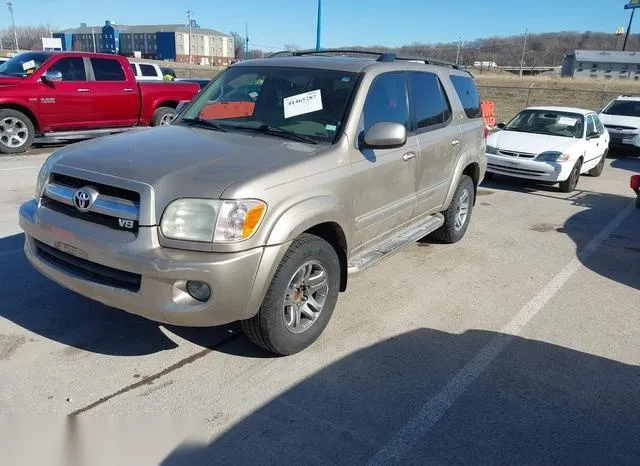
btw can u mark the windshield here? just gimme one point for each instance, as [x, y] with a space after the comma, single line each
[25, 64]
[308, 102]
[624, 108]
[564, 124]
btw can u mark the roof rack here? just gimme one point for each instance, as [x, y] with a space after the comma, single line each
[383, 57]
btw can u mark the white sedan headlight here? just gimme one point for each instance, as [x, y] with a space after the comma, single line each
[491, 150]
[207, 220]
[553, 156]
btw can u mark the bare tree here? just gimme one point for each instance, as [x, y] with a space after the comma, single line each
[291, 47]
[29, 37]
[239, 42]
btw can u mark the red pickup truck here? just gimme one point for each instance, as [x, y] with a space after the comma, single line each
[62, 96]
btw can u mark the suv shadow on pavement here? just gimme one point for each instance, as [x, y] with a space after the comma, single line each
[536, 403]
[41, 306]
[618, 257]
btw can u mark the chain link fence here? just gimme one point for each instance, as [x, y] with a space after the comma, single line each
[509, 100]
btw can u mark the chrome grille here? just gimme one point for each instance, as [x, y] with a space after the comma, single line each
[621, 128]
[522, 155]
[113, 207]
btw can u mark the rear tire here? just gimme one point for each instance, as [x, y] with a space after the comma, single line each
[163, 116]
[16, 131]
[458, 215]
[307, 280]
[569, 185]
[597, 170]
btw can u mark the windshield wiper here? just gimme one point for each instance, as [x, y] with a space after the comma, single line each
[199, 121]
[280, 132]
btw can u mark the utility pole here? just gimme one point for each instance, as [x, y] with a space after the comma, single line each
[626, 36]
[189, 13]
[319, 26]
[458, 53]
[15, 34]
[524, 48]
[93, 36]
[246, 41]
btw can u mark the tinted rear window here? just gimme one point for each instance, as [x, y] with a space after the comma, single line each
[468, 93]
[106, 69]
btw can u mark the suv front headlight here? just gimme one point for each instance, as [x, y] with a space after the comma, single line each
[208, 220]
[553, 156]
[44, 174]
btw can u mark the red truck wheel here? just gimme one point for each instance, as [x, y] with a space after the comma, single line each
[16, 131]
[163, 116]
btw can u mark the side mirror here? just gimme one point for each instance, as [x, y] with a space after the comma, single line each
[385, 134]
[593, 135]
[53, 76]
[181, 105]
[501, 125]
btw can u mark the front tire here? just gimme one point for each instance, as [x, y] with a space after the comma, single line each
[458, 215]
[16, 132]
[300, 300]
[163, 116]
[569, 185]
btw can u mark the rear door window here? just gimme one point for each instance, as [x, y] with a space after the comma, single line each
[106, 69]
[431, 107]
[468, 93]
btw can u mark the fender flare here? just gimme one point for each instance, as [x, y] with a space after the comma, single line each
[292, 223]
[466, 159]
[308, 214]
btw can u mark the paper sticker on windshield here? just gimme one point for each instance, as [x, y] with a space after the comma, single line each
[28, 64]
[302, 103]
[567, 121]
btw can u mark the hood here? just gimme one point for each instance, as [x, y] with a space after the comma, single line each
[614, 120]
[180, 161]
[9, 80]
[528, 142]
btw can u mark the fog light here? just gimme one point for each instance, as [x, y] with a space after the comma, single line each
[199, 291]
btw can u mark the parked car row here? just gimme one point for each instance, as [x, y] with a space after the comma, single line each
[278, 181]
[64, 96]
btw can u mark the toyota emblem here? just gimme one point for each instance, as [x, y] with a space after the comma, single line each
[84, 198]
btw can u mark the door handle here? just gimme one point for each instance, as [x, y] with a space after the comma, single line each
[455, 142]
[82, 89]
[128, 89]
[408, 156]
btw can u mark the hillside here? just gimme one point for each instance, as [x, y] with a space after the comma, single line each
[542, 49]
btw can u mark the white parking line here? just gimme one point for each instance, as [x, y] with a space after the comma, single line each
[431, 412]
[19, 168]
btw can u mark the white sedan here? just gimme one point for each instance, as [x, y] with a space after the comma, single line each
[550, 144]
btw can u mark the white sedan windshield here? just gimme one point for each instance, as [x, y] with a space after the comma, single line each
[564, 124]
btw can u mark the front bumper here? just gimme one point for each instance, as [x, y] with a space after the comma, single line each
[529, 169]
[238, 280]
[624, 139]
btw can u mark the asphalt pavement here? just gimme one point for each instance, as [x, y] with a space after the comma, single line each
[518, 345]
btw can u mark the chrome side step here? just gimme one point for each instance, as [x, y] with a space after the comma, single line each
[390, 246]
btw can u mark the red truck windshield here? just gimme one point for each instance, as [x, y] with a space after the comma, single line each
[25, 64]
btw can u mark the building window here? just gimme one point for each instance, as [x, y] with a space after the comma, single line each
[594, 66]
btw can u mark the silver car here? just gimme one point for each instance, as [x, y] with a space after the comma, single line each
[280, 179]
